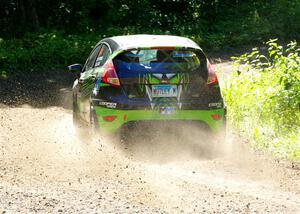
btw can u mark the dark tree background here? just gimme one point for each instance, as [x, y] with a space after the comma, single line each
[65, 30]
[230, 19]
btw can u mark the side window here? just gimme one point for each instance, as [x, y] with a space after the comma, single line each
[102, 55]
[91, 60]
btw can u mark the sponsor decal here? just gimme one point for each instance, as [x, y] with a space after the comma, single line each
[97, 87]
[108, 104]
[167, 110]
[161, 76]
[218, 105]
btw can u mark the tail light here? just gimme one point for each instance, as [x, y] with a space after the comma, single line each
[162, 48]
[212, 77]
[110, 75]
[109, 118]
[216, 116]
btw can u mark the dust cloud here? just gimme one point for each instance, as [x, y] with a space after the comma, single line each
[48, 165]
[171, 141]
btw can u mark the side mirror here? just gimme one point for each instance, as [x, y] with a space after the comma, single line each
[76, 68]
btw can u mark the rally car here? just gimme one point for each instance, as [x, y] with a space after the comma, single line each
[146, 78]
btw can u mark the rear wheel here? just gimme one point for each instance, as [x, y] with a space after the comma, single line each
[75, 111]
[93, 120]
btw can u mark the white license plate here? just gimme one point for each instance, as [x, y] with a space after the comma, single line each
[164, 91]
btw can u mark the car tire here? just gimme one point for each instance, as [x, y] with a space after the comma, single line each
[94, 120]
[75, 111]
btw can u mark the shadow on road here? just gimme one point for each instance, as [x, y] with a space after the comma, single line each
[169, 141]
[38, 90]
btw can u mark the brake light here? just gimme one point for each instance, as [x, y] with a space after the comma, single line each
[216, 116]
[212, 77]
[110, 75]
[162, 48]
[109, 118]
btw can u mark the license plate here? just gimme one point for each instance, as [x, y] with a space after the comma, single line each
[167, 110]
[164, 91]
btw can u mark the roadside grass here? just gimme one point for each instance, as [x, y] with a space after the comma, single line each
[263, 99]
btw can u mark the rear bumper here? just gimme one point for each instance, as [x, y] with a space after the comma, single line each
[122, 117]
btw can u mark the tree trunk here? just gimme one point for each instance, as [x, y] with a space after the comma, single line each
[32, 15]
[28, 15]
[22, 12]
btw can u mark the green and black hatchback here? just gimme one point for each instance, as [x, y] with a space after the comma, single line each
[146, 78]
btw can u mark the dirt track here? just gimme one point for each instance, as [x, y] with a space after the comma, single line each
[46, 166]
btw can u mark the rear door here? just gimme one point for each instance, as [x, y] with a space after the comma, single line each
[87, 79]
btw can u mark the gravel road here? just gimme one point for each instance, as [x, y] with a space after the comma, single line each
[47, 166]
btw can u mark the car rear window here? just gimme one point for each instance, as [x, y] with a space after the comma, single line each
[160, 60]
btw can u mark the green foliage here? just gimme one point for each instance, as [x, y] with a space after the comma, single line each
[39, 52]
[217, 24]
[263, 98]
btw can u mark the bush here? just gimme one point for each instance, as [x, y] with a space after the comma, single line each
[263, 99]
[46, 51]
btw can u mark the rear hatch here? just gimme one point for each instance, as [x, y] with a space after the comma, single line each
[171, 77]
